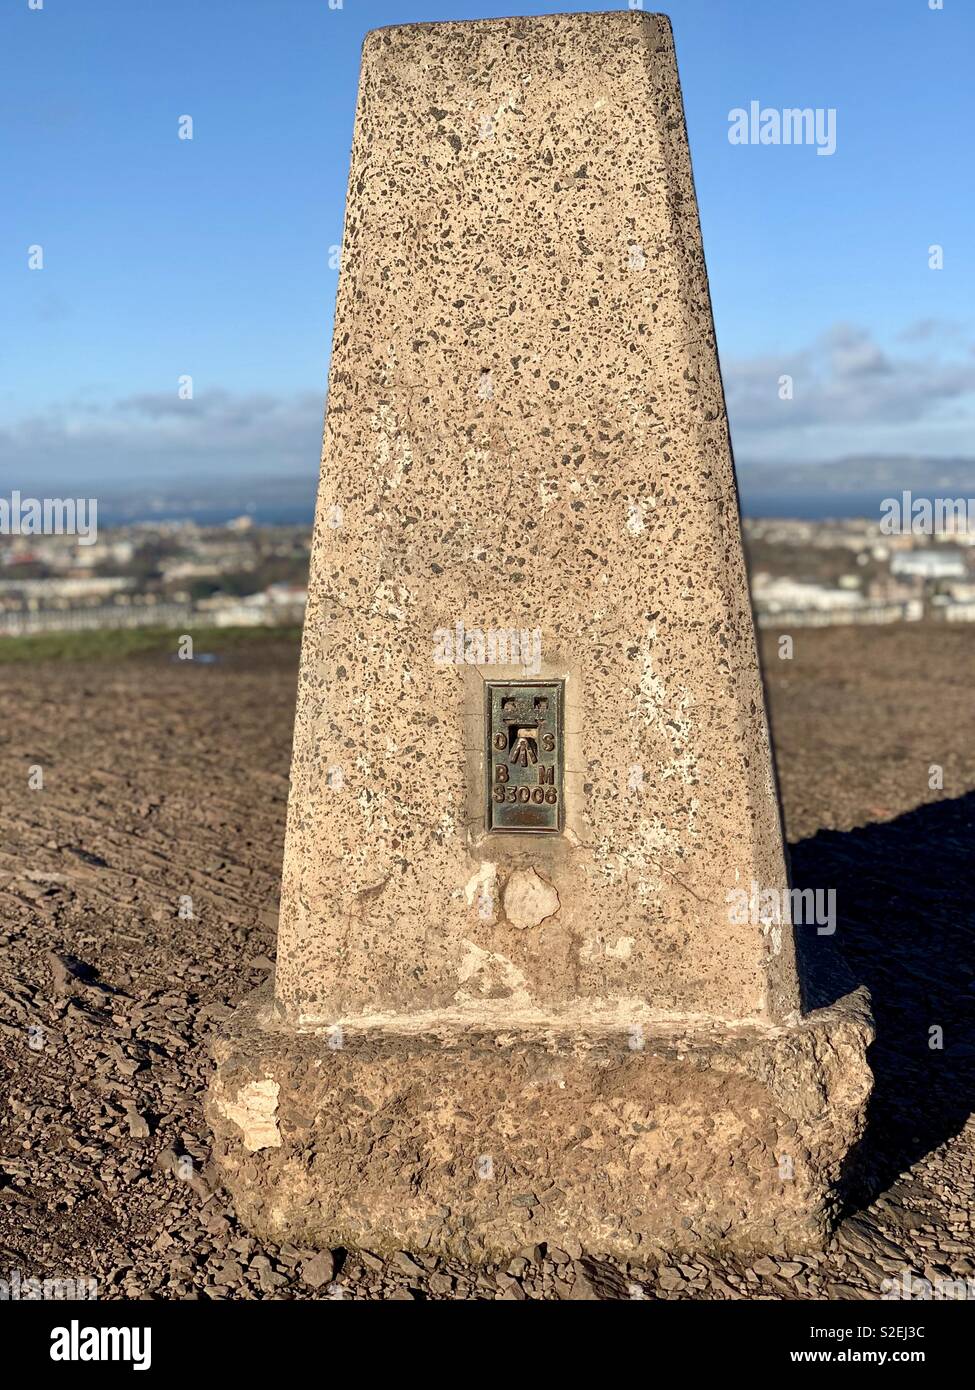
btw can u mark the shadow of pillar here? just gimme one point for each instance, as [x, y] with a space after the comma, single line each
[905, 914]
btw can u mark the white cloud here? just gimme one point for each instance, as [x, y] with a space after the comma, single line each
[851, 394]
[158, 436]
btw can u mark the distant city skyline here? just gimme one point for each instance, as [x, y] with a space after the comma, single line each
[213, 258]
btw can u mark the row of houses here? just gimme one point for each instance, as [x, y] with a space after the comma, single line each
[277, 606]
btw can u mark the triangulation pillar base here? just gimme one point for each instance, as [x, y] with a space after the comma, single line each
[434, 1136]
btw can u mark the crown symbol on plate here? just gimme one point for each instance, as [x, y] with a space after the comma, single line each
[525, 709]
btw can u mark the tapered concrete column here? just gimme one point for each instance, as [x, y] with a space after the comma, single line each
[533, 807]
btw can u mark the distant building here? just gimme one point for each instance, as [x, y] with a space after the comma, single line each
[862, 614]
[81, 587]
[930, 564]
[776, 595]
[277, 604]
[958, 612]
[26, 624]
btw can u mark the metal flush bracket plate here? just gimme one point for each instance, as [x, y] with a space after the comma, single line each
[525, 756]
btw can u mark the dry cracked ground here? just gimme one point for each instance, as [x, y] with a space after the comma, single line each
[165, 781]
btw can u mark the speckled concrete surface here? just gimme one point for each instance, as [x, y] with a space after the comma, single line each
[525, 432]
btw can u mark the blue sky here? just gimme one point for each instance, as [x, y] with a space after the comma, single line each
[210, 257]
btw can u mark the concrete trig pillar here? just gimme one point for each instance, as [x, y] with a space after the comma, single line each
[533, 978]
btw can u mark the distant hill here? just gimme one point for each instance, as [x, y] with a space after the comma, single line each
[269, 500]
[851, 486]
